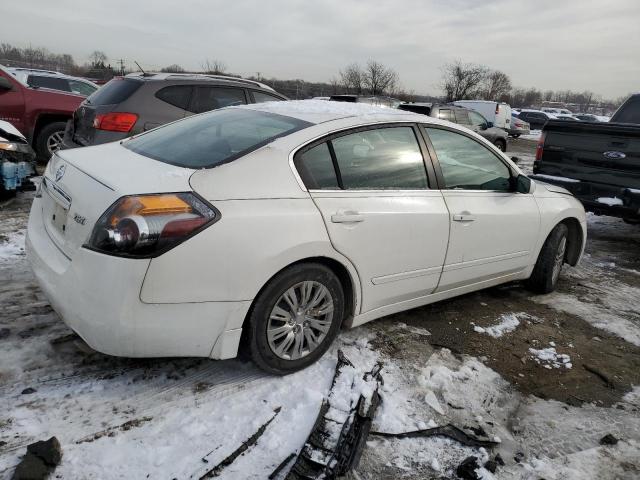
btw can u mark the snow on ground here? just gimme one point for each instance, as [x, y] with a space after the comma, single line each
[508, 323]
[611, 201]
[550, 358]
[532, 135]
[12, 245]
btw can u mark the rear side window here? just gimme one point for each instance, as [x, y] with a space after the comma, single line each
[446, 114]
[382, 158]
[209, 140]
[315, 167]
[54, 83]
[117, 90]
[176, 95]
[462, 117]
[261, 97]
[212, 98]
[629, 112]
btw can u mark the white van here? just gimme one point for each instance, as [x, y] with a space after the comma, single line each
[498, 113]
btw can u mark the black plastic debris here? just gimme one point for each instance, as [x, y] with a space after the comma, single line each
[608, 439]
[449, 431]
[337, 439]
[41, 458]
[491, 465]
[248, 443]
[28, 391]
[468, 469]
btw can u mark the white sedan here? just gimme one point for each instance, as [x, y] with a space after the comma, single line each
[269, 227]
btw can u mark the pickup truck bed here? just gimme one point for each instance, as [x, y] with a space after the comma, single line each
[598, 162]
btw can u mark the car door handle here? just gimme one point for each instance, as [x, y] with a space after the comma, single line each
[347, 217]
[464, 218]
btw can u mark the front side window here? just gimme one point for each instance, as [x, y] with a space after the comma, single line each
[212, 98]
[477, 119]
[462, 117]
[81, 88]
[315, 167]
[382, 158]
[209, 140]
[261, 97]
[466, 164]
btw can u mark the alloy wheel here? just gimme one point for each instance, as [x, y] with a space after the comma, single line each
[54, 141]
[559, 259]
[300, 320]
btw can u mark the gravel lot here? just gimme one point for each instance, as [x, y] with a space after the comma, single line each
[545, 376]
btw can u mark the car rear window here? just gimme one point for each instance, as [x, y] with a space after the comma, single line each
[117, 90]
[214, 138]
[629, 112]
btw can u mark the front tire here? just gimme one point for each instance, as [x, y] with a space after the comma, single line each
[295, 318]
[546, 272]
[49, 140]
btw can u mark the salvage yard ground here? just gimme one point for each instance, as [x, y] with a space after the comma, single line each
[546, 377]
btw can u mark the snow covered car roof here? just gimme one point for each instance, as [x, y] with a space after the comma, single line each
[320, 111]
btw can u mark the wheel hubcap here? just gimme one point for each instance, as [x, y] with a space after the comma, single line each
[559, 260]
[54, 141]
[300, 320]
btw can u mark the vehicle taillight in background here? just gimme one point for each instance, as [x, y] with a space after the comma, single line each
[497, 108]
[115, 121]
[540, 147]
[145, 226]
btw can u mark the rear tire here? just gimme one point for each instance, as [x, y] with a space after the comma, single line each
[285, 336]
[49, 139]
[546, 272]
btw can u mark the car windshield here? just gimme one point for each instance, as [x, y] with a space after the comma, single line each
[213, 138]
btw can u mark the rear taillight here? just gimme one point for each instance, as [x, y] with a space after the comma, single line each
[497, 108]
[540, 146]
[143, 226]
[115, 121]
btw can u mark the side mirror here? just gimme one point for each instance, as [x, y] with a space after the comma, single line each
[5, 84]
[489, 124]
[515, 160]
[522, 184]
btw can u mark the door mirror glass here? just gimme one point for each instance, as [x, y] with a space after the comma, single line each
[5, 84]
[523, 184]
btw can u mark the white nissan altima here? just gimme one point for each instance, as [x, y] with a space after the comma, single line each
[271, 226]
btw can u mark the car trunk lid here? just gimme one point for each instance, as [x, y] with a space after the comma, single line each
[79, 185]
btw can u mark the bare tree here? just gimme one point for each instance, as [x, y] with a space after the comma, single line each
[497, 85]
[352, 78]
[378, 78]
[174, 68]
[335, 86]
[98, 58]
[214, 67]
[462, 80]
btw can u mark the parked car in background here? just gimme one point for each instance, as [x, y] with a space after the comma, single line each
[380, 101]
[203, 238]
[535, 118]
[568, 118]
[556, 110]
[129, 105]
[54, 81]
[39, 113]
[586, 117]
[498, 113]
[518, 127]
[462, 116]
[599, 162]
[17, 161]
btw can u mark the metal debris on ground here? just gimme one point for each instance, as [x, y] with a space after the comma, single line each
[449, 431]
[339, 434]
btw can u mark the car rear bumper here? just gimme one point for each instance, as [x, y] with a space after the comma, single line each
[599, 198]
[98, 296]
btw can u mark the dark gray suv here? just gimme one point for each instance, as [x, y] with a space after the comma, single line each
[129, 105]
[462, 116]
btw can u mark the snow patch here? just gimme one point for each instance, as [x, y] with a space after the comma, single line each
[557, 179]
[508, 323]
[12, 246]
[611, 201]
[550, 358]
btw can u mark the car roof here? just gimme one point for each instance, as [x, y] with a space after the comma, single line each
[320, 111]
[153, 76]
[21, 73]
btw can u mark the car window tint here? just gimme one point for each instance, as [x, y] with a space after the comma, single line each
[629, 112]
[383, 158]
[477, 119]
[176, 95]
[212, 98]
[54, 83]
[261, 97]
[316, 168]
[204, 141]
[446, 114]
[466, 164]
[462, 117]
[81, 88]
[114, 91]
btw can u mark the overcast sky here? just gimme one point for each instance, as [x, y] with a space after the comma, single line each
[548, 44]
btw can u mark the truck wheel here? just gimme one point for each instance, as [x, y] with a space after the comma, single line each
[501, 144]
[49, 140]
[295, 318]
[546, 272]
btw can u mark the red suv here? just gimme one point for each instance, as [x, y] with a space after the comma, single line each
[40, 114]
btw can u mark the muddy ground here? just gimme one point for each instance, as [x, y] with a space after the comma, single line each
[103, 407]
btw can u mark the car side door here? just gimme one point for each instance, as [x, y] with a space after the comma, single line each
[493, 227]
[372, 188]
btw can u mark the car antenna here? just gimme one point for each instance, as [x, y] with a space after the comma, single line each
[144, 74]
